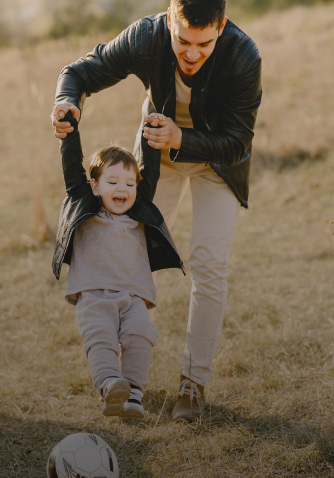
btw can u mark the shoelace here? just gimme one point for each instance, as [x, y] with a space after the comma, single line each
[189, 388]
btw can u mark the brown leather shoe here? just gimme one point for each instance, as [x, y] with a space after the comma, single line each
[191, 402]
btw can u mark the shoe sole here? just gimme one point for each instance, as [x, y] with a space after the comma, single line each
[131, 413]
[116, 397]
[185, 417]
[186, 414]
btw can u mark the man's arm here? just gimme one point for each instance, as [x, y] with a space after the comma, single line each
[105, 66]
[231, 142]
[237, 125]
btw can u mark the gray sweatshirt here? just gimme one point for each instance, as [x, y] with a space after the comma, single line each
[110, 252]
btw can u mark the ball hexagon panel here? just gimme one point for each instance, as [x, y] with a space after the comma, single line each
[88, 458]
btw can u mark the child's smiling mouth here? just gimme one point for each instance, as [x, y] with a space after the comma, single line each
[119, 200]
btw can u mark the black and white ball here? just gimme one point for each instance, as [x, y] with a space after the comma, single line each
[82, 455]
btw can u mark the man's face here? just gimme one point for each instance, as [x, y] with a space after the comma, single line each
[192, 46]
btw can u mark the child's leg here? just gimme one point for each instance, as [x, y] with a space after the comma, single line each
[97, 314]
[137, 336]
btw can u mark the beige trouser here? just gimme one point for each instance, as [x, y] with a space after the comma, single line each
[215, 210]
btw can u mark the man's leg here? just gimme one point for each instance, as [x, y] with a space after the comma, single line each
[170, 190]
[215, 210]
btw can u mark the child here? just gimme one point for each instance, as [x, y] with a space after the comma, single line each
[120, 237]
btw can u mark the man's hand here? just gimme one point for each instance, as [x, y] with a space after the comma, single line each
[58, 113]
[166, 137]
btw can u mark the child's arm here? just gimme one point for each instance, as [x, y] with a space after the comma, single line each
[151, 173]
[71, 154]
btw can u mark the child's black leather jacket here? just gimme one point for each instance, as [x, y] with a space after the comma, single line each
[80, 204]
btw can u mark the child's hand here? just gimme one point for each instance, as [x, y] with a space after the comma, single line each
[59, 111]
[155, 119]
[169, 135]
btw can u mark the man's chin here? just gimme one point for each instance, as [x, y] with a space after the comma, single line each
[190, 71]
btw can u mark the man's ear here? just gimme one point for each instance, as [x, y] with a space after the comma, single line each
[94, 186]
[169, 19]
[222, 26]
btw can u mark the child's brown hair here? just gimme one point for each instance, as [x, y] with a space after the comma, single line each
[110, 157]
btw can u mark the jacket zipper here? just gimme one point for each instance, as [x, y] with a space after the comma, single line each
[161, 232]
[222, 175]
[73, 227]
[209, 129]
[169, 91]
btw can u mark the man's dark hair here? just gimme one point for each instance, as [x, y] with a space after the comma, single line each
[199, 13]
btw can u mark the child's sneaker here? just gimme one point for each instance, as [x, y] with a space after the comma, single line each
[116, 391]
[133, 408]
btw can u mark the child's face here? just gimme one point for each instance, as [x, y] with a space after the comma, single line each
[117, 188]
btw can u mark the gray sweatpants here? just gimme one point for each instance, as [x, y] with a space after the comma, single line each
[112, 321]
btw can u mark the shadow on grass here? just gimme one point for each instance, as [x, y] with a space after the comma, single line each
[25, 444]
[275, 428]
[25, 447]
[271, 428]
[159, 402]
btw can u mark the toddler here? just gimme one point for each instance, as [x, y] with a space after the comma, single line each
[113, 239]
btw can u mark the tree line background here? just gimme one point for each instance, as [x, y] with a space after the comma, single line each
[36, 20]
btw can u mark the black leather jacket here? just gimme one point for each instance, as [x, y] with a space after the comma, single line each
[226, 92]
[80, 204]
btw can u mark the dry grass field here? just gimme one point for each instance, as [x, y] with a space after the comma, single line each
[271, 403]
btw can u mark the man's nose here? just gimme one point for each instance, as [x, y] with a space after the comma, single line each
[193, 54]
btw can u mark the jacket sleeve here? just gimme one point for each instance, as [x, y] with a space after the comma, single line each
[105, 66]
[151, 173]
[236, 124]
[71, 155]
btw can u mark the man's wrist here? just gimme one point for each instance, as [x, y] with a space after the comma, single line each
[178, 142]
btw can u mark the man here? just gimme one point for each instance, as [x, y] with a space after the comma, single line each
[202, 78]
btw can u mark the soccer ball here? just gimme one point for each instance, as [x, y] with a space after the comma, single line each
[82, 455]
